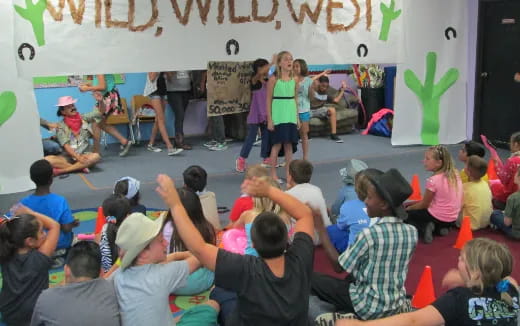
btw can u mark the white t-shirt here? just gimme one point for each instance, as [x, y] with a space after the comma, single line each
[143, 291]
[312, 196]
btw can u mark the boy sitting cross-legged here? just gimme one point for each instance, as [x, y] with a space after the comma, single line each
[270, 289]
[377, 262]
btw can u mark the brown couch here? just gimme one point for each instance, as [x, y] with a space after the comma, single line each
[347, 118]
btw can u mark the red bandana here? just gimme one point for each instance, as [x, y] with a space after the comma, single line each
[74, 123]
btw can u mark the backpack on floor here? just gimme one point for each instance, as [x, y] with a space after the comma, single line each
[380, 123]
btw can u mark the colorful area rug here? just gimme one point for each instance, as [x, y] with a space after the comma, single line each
[87, 218]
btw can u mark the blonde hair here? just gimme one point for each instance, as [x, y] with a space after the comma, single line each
[266, 204]
[441, 153]
[256, 171]
[278, 69]
[491, 260]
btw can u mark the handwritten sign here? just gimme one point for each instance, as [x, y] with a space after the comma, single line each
[119, 36]
[229, 90]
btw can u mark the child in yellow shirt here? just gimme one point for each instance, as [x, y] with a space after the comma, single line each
[470, 148]
[477, 194]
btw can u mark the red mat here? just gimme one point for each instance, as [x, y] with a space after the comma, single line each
[440, 255]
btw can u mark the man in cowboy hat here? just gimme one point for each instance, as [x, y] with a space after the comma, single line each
[378, 260]
[73, 134]
[147, 277]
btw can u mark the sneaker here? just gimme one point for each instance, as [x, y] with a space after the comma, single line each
[428, 232]
[335, 138]
[240, 164]
[174, 151]
[266, 163]
[211, 143]
[125, 149]
[329, 318]
[154, 149]
[280, 165]
[218, 147]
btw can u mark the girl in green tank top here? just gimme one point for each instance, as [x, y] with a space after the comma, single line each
[282, 113]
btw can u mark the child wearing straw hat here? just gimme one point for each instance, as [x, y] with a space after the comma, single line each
[147, 277]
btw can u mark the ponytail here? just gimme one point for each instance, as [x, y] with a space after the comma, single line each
[13, 233]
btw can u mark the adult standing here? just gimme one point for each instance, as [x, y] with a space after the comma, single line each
[155, 88]
[178, 87]
[103, 88]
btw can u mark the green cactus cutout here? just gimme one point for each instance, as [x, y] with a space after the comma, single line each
[389, 15]
[430, 95]
[34, 14]
[7, 106]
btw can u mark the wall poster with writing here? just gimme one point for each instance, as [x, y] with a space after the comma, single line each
[228, 87]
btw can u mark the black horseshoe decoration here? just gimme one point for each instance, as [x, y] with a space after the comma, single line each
[26, 46]
[235, 44]
[364, 48]
[447, 33]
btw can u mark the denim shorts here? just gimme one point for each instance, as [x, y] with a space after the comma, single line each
[305, 116]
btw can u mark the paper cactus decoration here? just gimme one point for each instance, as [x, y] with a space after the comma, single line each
[34, 14]
[430, 95]
[389, 15]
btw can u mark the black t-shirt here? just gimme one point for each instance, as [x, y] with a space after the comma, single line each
[462, 307]
[263, 298]
[24, 278]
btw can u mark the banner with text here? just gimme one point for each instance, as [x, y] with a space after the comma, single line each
[229, 90]
[71, 37]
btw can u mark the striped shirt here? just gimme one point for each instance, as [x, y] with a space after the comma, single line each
[104, 248]
[378, 261]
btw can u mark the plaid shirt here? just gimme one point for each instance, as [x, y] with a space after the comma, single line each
[378, 261]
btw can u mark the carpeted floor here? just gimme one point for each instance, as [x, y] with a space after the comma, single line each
[328, 157]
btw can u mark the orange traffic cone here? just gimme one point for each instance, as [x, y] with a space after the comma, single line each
[425, 293]
[491, 170]
[465, 233]
[100, 220]
[416, 187]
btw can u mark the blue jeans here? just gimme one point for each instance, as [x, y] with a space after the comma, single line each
[252, 130]
[227, 301]
[497, 219]
[50, 147]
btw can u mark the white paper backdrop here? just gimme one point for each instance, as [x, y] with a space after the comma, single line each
[100, 39]
[20, 140]
[425, 32]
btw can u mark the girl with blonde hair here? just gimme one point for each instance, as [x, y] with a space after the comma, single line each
[442, 201]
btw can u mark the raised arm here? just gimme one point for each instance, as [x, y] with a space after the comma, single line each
[260, 187]
[323, 73]
[341, 92]
[204, 252]
[53, 229]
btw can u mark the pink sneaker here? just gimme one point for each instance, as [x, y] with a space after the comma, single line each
[240, 164]
[266, 163]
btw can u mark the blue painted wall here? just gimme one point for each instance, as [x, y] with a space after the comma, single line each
[46, 99]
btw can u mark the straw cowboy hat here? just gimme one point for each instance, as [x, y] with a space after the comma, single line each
[135, 233]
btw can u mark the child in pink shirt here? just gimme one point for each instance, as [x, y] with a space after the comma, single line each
[442, 201]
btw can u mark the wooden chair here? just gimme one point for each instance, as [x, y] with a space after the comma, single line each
[137, 102]
[118, 119]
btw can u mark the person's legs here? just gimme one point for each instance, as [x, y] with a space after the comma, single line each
[111, 130]
[318, 307]
[158, 105]
[264, 146]
[274, 159]
[227, 301]
[51, 147]
[333, 291]
[332, 119]
[218, 134]
[497, 219]
[423, 222]
[61, 163]
[304, 135]
[96, 136]
[288, 149]
[178, 102]
[252, 130]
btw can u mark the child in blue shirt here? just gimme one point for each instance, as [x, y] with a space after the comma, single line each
[55, 206]
[353, 215]
[348, 192]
